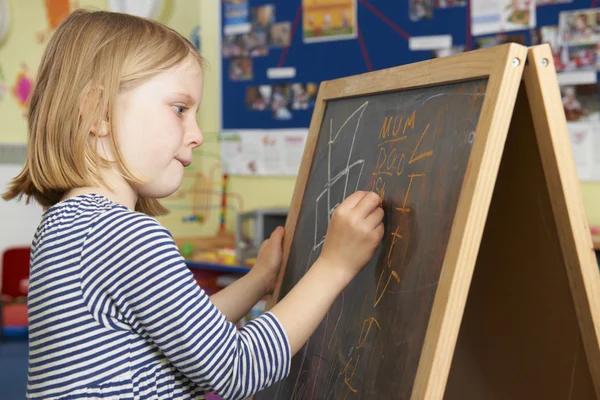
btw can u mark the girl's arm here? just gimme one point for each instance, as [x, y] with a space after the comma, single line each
[237, 299]
[138, 282]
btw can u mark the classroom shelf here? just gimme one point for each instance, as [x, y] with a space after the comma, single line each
[217, 267]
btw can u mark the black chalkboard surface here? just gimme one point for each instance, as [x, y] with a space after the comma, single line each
[411, 147]
[464, 298]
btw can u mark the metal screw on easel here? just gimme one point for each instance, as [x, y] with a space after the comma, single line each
[516, 62]
[544, 62]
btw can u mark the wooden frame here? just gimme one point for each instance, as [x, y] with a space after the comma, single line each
[566, 199]
[503, 66]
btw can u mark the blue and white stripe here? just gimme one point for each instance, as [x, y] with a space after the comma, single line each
[115, 313]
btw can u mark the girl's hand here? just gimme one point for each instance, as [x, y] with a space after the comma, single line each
[354, 232]
[268, 261]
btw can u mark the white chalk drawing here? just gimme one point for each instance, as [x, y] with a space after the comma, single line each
[351, 168]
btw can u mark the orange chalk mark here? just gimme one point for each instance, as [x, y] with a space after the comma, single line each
[401, 163]
[422, 155]
[362, 339]
[392, 140]
[382, 173]
[391, 159]
[395, 237]
[403, 208]
[344, 371]
[385, 129]
[380, 190]
[380, 160]
[394, 275]
[410, 122]
[397, 125]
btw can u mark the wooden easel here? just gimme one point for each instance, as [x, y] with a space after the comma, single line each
[516, 313]
[531, 268]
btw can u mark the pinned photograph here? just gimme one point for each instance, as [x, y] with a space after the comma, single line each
[420, 9]
[281, 34]
[236, 12]
[303, 96]
[236, 45]
[281, 101]
[326, 20]
[258, 43]
[240, 69]
[581, 102]
[582, 57]
[258, 98]
[521, 12]
[580, 26]
[263, 17]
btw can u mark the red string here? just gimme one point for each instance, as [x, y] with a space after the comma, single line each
[385, 19]
[294, 28]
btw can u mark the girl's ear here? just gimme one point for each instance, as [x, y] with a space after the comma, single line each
[90, 102]
[100, 128]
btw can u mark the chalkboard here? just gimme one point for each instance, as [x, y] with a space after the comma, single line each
[411, 147]
[429, 138]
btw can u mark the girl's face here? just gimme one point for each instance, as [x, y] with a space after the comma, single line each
[156, 127]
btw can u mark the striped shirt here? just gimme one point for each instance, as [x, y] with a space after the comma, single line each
[115, 313]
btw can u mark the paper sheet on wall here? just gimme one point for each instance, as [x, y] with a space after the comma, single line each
[262, 152]
[493, 16]
[579, 35]
[585, 141]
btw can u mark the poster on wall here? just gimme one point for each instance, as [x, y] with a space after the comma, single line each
[579, 37]
[581, 102]
[281, 99]
[262, 152]
[326, 20]
[585, 142]
[493, 16]
[237, 17]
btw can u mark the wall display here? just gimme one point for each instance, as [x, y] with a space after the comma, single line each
[284, 42]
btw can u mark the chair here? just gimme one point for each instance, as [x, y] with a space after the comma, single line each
[13, 288]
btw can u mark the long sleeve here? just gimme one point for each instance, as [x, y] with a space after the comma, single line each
[133, 278]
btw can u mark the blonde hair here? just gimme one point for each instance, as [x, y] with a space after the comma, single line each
[93, 55]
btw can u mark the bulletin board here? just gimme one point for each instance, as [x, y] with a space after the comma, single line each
[382, 37]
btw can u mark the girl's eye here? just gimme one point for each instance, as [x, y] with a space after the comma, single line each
[179, 109]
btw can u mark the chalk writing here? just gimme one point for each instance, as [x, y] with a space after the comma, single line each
[409, 122]
[422, 155]
[390, 164]
[367, 345]
[355, 168]
[393, 274]
[404, 208]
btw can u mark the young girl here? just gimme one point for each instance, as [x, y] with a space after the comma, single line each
[113, 310]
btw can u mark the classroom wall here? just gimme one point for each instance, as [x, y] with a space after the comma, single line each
[21, 53]
[591, 199]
